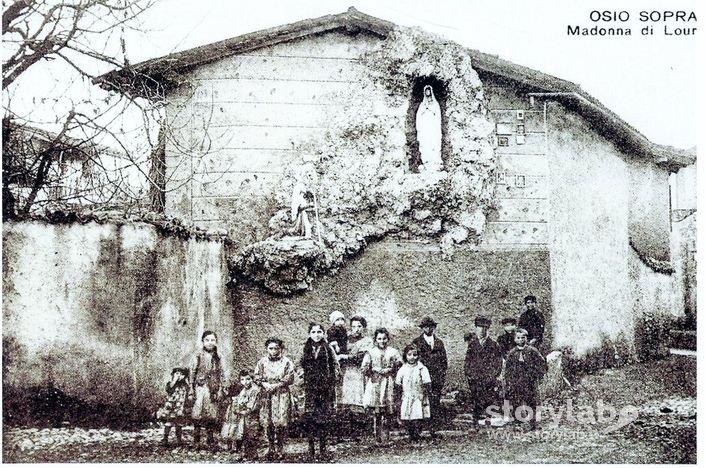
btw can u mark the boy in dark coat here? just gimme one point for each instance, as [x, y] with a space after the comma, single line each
[432, 353]
[533, 321]
[525, 368]
[506, 339]
[483, 364]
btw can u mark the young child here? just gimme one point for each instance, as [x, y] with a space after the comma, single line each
[207, 378]
[321, 371]
[379, 367]
[174, 412]
[506, 339]
[337, 334]
[242, 418]
[274, 373]
[415, 381]
[524, 370]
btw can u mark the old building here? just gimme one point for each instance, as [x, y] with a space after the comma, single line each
[541, 189]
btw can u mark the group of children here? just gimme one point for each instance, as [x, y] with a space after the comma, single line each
[343, 373]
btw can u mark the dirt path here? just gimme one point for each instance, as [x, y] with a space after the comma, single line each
[663, 393]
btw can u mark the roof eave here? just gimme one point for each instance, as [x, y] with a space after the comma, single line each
[150, 76]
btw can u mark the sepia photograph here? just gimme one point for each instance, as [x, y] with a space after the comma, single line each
[360, 232]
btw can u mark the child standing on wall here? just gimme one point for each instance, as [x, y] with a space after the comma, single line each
[207, 378]
[242, 418]
[525, 367]
[274, 373]
[415, 381]
[379, 366]
[174, 411]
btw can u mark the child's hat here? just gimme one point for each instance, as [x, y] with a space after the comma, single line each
[427, 322]
[183, 370]
[335, 315]
[482, 321]
[509, 320]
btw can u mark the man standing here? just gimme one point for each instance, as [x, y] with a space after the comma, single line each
[533, 322]
[483, 364]
[432, 353]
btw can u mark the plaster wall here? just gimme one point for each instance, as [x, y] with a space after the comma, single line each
[103, 312]
[649, 211]
[589, 210]
[653, 308]
[244, 118]
[395, 284]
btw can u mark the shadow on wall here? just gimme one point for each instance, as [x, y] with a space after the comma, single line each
[95, 317]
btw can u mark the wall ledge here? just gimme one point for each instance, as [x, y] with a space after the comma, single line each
[658, 266]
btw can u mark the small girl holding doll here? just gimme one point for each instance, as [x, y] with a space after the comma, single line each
[274, 373]
[242, 418]
[207, 378]
[415, 381]
[379, 367]
[174, 412]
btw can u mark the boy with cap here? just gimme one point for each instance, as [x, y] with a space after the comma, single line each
[532, 321]
[525, 368]
[432, 353]
[506, 339]
[483, 364]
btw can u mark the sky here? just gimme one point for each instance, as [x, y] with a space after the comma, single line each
[648, 80]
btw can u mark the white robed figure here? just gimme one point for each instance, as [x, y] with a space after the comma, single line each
[428, 131]
[304, 210]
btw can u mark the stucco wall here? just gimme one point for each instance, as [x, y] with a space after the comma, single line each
[242, 119]
[396, 284]
[103, 312]
[589, 184]
[649, 211]
[652, 307]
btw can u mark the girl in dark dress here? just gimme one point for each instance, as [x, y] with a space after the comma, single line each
[320, 368]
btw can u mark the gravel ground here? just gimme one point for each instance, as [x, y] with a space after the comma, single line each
[664, 432]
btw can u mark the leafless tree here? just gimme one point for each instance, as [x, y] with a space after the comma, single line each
[85, 37]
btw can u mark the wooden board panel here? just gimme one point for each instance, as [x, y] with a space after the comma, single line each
[527, 164]
[227, 160]
[536, 187]
[234, 183]
[534, 144]
[515, 233]
[282, 69]
[533, 120]
[282, 138]
[521, 209]
[296, 92]
[264, 114]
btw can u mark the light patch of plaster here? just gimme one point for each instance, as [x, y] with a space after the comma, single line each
[379, 305]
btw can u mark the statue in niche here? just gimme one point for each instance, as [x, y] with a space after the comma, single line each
[428, 132]
[304, 210]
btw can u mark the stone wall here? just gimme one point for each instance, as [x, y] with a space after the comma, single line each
[103, 312]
